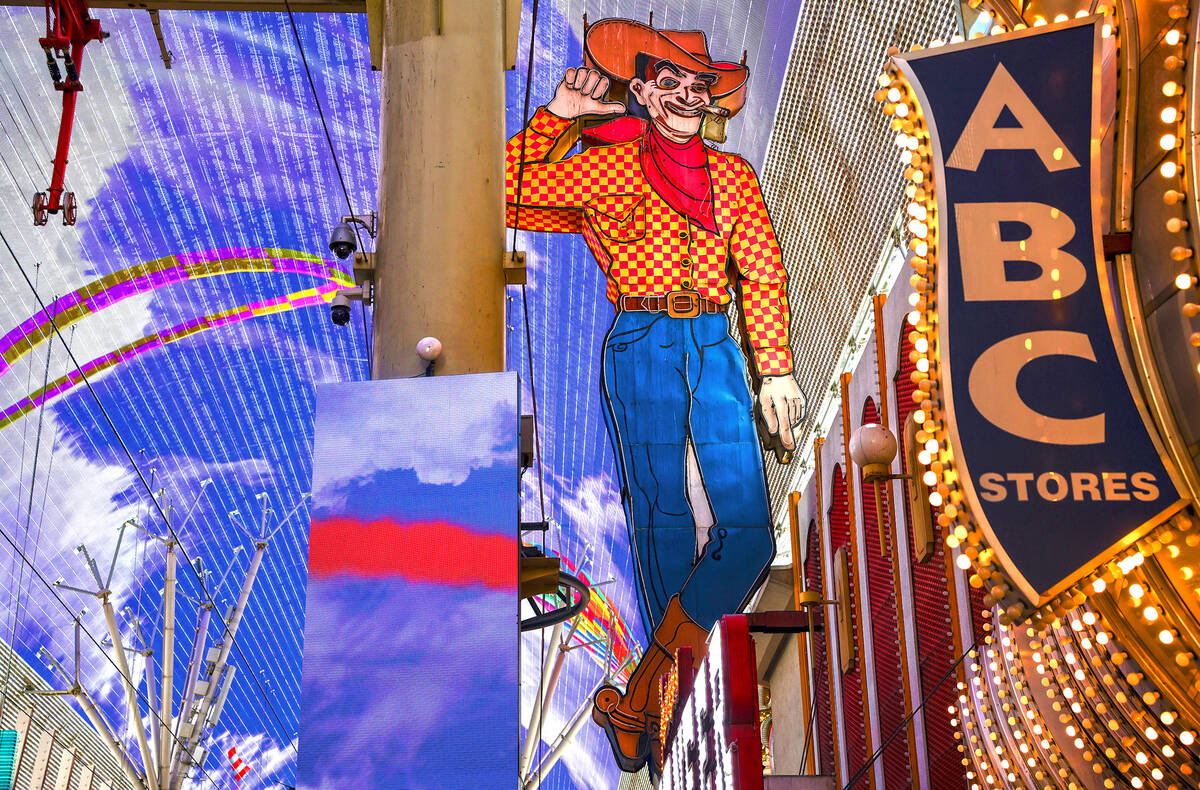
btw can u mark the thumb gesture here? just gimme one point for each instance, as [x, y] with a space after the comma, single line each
[580, 93]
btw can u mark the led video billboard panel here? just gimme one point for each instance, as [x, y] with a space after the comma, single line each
[410, 639]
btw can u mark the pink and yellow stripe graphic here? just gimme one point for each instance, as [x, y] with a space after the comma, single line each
[145, 277]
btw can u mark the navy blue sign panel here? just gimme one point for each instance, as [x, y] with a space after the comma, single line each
[1049, 441]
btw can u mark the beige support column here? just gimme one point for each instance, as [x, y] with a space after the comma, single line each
[441, 204]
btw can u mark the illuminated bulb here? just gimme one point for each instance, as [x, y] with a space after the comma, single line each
[1184, 280]
[935, 499]
[931, 446]
[1176, 224]
[1174, 37]
[923, 365]
[962, 561]
[1061, 18]
[1187, 738]
[1099, 585]
[1156, 774]
[922, 346]
[914, 318]
[893, 95]
[925, 458]
[1168, 169]
[1151, 733]
[1168, 142]
[1166, 637]
[1136, 591]
[1167, 717]
[901, 110]
[1169, 114]
[919, 417]
[1171, 88]
[1150, 613]
[930, 479]
[1102, 638]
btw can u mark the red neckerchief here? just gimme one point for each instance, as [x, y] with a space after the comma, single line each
[678, 172]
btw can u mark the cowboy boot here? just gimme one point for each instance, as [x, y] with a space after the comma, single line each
[624, 717]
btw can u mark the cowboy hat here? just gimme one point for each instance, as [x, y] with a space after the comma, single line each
[612, 46]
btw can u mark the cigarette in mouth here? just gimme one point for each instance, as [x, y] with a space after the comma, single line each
[713, 109]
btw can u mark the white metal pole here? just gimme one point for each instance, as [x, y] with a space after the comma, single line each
[226, 644]
[189, 686]
[565, 739]
[118, 753]
[135, 713]
[535, 717]
[156, 728]
[162, 743]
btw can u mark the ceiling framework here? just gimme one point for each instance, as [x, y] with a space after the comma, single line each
[834, 187]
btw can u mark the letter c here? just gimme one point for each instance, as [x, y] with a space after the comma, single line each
[993, 388]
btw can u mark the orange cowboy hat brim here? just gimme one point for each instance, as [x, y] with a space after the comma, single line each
[613, 45]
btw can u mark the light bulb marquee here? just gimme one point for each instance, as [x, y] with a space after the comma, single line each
[1002, 328]
[1089, 682]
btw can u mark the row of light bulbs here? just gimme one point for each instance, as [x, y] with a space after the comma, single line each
[1172, 167]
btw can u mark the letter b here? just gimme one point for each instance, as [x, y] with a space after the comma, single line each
[983, 253]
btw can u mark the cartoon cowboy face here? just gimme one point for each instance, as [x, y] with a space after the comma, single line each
[675, 97]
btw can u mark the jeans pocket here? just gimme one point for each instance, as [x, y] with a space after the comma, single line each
[621, 340]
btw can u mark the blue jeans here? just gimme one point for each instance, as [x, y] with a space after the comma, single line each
[667, 381]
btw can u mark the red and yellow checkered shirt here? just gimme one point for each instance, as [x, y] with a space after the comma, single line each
[644, 246]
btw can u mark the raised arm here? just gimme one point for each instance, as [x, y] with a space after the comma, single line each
[552, 193]
[762, 281]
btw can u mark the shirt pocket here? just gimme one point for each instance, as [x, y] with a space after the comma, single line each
[620, 218]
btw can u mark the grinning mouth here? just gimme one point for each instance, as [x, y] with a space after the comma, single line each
[687, 112]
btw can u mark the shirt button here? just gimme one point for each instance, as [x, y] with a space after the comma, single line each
[683, 234]
[687, 262]
[686, 282]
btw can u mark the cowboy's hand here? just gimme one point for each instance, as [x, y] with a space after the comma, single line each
[783, 406]
[582, 93]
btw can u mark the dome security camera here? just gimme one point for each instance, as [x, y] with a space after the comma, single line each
[339, 310]
[342, 241]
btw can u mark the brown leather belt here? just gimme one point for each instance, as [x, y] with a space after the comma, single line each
[677, 304]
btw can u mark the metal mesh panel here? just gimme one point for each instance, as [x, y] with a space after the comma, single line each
[833, 181]
[59, 715]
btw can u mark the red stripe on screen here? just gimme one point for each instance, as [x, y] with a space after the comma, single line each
[436, 552]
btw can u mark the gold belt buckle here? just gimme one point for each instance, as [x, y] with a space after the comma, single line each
[683, 304]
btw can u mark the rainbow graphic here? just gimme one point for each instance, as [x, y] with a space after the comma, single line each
[94, 297]
[597, 621]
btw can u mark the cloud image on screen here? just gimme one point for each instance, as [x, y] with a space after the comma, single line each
[410, 644]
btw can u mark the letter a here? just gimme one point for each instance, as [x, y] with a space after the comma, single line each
[981, 133]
